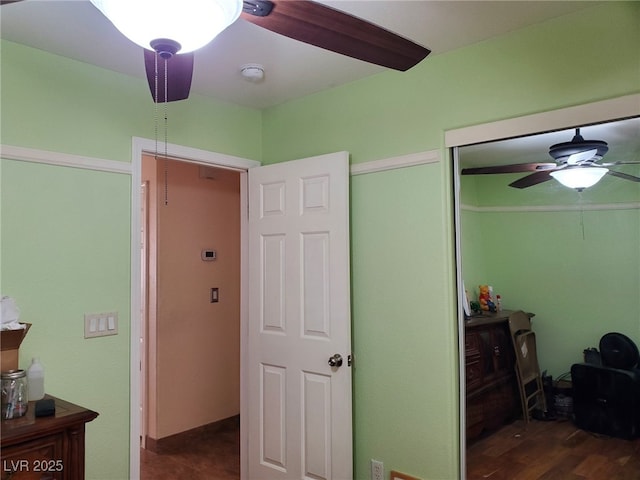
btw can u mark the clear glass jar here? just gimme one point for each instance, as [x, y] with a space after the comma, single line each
[15, 397]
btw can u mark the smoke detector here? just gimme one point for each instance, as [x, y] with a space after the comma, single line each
[252, 72]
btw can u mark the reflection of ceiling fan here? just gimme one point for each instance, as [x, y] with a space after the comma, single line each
[302, 20]
[576, 165]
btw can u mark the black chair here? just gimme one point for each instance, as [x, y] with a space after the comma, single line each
[606, 397]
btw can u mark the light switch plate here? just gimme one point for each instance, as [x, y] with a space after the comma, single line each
[100, 324]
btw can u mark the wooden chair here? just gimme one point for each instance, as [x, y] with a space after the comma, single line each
[527, 369]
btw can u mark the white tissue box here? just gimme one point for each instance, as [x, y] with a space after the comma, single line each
[10, 341]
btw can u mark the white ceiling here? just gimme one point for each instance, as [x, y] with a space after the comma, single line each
[622, 137]
[76, 29]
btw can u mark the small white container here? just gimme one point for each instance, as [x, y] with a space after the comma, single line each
[35, 379]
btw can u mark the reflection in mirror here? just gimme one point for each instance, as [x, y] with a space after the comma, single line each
[569, 255]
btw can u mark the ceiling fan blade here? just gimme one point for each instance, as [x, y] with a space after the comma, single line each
[179, 73]
[515, 168]
[7, 2]
[626, 176]
[334, 30]
[533, 179]
[611, 164]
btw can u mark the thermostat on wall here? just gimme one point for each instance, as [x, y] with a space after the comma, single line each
[208, 255]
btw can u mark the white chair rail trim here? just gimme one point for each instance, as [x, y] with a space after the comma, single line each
[26, 154]
[554, 208]
[410, 160]
[23, 154]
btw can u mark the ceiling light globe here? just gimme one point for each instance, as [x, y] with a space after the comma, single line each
[579, 177]
[191, 23]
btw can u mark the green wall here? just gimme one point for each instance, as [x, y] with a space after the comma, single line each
[572, 258]
[57, 104]
[403, 327]
[65, 247]
[59, 226]
[403, 276]
[405, 339]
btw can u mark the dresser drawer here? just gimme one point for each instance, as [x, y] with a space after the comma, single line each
[472, 344]
[40, 459]
[491, 390]
[473, 373]
[45, 448]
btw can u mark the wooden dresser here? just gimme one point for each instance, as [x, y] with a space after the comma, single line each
[492, 392]
[45, 448]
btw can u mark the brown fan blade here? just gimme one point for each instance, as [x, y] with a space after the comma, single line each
[515, 168]
[337, 31]
[179, 73]
[626, 176]
[533, 179]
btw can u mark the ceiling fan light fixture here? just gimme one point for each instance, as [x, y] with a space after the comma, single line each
[190, 23]
[579, 177]
[578, 145]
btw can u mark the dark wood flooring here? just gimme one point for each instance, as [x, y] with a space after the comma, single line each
[554, 450]
[208, 453]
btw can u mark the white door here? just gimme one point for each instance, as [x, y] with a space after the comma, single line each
[299, 407]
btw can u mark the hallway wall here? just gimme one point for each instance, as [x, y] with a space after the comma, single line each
[197, 343]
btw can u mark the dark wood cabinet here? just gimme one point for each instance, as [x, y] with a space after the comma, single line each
[491, 389]
[45, 448]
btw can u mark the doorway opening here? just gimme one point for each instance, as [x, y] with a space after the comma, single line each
[141, 146]
[190, 338]
[320, 182]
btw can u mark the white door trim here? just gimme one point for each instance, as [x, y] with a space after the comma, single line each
[603, 111]
[244, 322]
[596, 112]
[204, 157]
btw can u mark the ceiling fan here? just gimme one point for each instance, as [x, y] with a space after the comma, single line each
[304, 20]
[576, 165]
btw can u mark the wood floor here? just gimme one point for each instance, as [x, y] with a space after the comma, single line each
[542, 451]
[554, 450]
[203, 454]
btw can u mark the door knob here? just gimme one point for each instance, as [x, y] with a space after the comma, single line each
[335, 360]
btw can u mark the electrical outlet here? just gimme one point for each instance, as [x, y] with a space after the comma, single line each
[377, 470]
